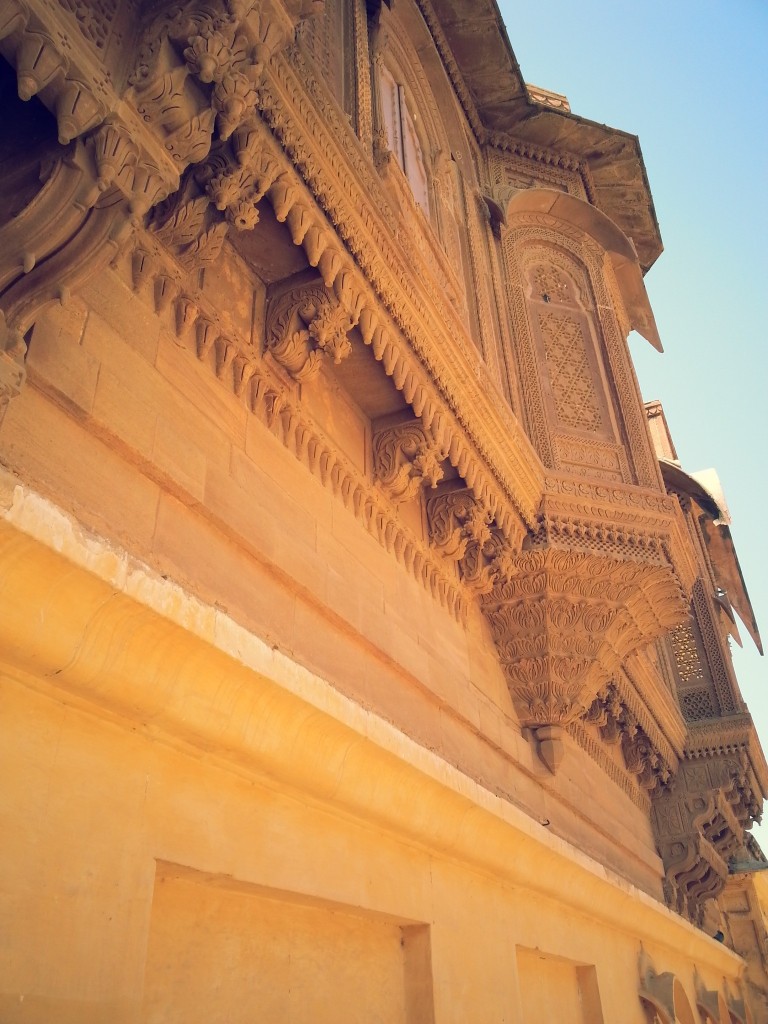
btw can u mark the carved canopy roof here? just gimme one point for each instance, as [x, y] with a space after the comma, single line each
[479, 43]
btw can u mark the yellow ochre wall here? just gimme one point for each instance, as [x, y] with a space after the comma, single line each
[167, 774]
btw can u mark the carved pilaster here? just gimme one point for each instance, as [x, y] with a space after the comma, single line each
[306, 325]
[405, 459]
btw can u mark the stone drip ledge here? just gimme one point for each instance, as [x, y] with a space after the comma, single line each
[138, 625]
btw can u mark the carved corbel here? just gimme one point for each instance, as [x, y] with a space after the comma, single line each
[68, 230]
[696, 833]
[463, 530]
[304, 326]
[563, 622]
[200, 66]
[405, 459]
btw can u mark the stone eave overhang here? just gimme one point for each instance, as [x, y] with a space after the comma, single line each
[729, 735]
[503, 107]
[719, 542]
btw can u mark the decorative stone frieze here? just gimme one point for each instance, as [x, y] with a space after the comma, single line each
[405, 460]
[263, 389]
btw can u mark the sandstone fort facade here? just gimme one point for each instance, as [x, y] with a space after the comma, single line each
[364, 646]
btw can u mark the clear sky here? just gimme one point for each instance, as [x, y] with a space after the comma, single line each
[690, 79]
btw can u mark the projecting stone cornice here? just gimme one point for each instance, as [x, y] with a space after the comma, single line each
[506, 114]
[195, 78]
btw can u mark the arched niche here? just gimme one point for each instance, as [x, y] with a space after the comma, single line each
[583, 217]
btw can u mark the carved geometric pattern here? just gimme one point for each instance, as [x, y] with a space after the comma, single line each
[508, 171]
[552, 286]
[712, 646]
[531, 231]
[698, 704]
[686, 654]
[94, 18]
[589, 456]
[572, 386]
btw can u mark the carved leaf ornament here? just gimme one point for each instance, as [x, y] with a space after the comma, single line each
[406, 459]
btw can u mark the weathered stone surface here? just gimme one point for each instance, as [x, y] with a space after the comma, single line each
[353, 644]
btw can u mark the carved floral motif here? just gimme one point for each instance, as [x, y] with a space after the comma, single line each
[563, 622]
[464, 531]
[303, 326]
[406, 459]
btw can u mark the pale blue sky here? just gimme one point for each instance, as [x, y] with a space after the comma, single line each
[689, 78]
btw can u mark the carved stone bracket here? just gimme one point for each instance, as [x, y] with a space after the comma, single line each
[564, 621]
[304, 325]
[405, 459]
[463, 530]
[697, 833]
[199, 69]
[618, 725]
